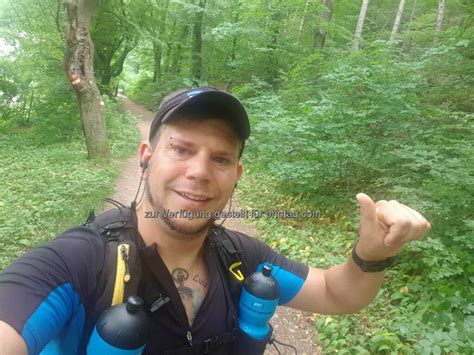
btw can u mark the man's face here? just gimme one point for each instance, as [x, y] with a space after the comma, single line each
[194, 168]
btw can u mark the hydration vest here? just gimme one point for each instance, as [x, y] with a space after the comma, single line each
[122, 273]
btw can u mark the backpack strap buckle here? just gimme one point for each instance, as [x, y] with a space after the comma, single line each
[209, 344]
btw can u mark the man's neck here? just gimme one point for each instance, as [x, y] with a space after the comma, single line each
[175, 249]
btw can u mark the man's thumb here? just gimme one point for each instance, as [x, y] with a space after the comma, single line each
[367, 208]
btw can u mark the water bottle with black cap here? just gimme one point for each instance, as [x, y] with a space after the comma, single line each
[121, 330]
[258, 302]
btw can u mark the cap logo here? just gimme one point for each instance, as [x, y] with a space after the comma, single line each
[193, 93]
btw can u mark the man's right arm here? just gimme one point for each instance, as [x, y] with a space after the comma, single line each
[47, 292]
[11, 343]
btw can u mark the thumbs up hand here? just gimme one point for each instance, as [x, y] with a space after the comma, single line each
[385, 226]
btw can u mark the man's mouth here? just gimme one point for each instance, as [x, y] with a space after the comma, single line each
[193, 197]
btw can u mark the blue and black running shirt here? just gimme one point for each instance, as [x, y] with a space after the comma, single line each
[48, 295]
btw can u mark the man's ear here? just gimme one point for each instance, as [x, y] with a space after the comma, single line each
[240, 170]
[145, 152]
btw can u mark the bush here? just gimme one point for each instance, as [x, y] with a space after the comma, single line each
[371, 122]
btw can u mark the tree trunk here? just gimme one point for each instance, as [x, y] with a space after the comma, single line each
[232, 60]
[169, 46]
[105, 79]
[407, 38]
[396, 24]
[303, 20]
[360, 24]
[157, 60]
[197, 43]
[157, 45]
[30, 107]
[117, 67]
[79, 67]
[327, 7]
[178, 56]
[233, 49]
[439, 22]
[274, 22]
[113, 70]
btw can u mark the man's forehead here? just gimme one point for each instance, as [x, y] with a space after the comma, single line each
[189, 130]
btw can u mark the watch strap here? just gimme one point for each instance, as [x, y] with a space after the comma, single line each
[371, 266]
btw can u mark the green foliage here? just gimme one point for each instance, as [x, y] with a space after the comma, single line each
[373, 121]
[35, 90]
[10, 88]
[150, 94]
[115, 33]
[392, 119]
[48, 185]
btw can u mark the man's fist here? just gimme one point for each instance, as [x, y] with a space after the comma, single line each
[385, 226]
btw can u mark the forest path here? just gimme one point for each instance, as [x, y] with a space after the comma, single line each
[290, 326]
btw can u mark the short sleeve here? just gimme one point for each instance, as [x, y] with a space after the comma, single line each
[290, 274]
[45, 291]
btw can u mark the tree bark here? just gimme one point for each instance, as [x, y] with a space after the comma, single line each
[327, 7]
[197, 43]
[360, 24]
[439, 21]
[79, 68]
[396, 24]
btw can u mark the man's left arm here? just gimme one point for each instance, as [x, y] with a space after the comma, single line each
[384, 227]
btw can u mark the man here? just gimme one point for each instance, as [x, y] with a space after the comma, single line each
[190, 163]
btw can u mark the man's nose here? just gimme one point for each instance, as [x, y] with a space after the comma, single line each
[199, 167]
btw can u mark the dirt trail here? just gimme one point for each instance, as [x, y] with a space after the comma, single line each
[290, 326]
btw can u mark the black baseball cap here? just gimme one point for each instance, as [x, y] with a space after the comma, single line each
[204, 102]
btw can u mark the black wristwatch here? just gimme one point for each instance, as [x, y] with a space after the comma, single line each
[371, 266]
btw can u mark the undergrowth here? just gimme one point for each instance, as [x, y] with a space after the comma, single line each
[47, 182]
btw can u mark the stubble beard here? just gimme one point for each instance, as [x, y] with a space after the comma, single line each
[182, 229]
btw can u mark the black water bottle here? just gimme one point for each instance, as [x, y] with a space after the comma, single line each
[121, 329]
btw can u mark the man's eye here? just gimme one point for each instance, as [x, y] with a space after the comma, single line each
[222, 160]
[181, 151]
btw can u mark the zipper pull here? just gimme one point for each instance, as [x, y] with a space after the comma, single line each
[190, 338]
[125, 258]
[158, 303]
